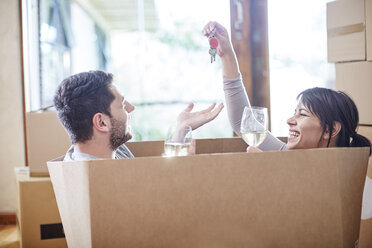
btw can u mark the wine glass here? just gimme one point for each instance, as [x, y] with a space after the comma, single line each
[254, 125]
[177, 141]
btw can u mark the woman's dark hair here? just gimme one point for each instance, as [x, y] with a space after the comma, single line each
[78, 98]
[332, 106]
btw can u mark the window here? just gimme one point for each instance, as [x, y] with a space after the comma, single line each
[298, 55]
[61, 39]
[162, 64]
[155, 49]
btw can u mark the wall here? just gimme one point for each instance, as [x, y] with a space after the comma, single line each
[11, 110]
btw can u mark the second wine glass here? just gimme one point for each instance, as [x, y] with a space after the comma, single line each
[254, 125]
[178, 140]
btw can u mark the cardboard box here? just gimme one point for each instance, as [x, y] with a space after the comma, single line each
[302, 198]
[203, 146]
[365, 238]
[355, 79]
[46, 139]
[38, 218]
[366, 131]
[349, 30]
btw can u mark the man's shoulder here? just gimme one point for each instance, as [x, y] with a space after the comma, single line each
[123, 152]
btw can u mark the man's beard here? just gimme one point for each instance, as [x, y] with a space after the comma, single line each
[119, 134]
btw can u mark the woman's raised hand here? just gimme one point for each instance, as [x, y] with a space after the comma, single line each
[221, 34]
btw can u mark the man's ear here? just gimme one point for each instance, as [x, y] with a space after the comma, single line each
[101, 122]
[335, 131]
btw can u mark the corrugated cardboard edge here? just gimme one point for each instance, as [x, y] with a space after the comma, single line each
[80, 198]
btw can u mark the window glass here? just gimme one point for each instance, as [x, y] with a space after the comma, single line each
[162, 68]
[155, 49]
[69, 42]
[298, 55]
[55, 46]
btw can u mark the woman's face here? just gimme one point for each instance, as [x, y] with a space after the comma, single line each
[305, 130]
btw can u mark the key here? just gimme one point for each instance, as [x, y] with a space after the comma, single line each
[213, 43]
[212, 52]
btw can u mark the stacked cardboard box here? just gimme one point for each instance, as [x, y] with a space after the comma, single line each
[38, 218]
[46, 139]
[37, 213]
[349, 29]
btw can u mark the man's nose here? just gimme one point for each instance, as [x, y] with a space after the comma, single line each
[129, 107]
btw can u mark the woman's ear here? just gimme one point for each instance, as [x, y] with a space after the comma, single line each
[335, 131]
[100, 122]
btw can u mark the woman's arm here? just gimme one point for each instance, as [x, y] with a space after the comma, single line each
[236, 97]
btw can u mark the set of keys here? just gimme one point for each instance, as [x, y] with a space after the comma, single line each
[213, 43]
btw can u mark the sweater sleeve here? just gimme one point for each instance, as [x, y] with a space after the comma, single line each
[236, 99]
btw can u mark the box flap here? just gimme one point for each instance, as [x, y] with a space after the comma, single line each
[73, 202]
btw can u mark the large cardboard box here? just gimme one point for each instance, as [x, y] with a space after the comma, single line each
[38, 218]
[355, 79]
[46, 139]
[349, 30]
[303, 198]
[365, 238]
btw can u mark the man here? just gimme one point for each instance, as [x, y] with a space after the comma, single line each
[95, 115]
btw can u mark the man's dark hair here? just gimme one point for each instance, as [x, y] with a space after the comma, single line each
[78, 98]
[332, 106]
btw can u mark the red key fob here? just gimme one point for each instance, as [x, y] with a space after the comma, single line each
[213, 42]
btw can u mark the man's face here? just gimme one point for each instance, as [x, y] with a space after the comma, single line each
[120, 130]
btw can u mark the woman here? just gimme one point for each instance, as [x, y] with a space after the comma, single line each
[323, 117]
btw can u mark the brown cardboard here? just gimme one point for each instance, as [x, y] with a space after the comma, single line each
[203, 146]
[46, 139]
[355, 79]
[37, 213]
[366, 131]
[303, 198]
[349, 30]
[365, 238]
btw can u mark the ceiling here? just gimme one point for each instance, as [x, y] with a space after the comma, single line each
[123, 14]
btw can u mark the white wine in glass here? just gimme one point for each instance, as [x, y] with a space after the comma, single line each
[172, 149]
[254, 125]
[178, 141]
